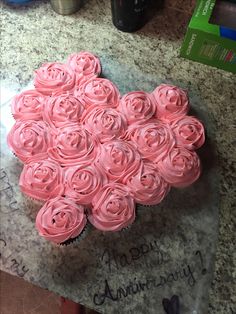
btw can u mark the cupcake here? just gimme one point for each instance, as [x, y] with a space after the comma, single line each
[98, 91]
[28, 105]
[85, 65]
[137, 107]
[171, 102]
[83, 182]
[113, 208]
[61, 220]
[54, 77]
[188, 132]
[147, 185]
[104, 123]
[73, 145]
[153, 139]
[42, 180]
[180, 167]
[118, 159]
[62, 109]
[29, 140]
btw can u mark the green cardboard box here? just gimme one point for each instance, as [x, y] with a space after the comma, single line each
[211, 35]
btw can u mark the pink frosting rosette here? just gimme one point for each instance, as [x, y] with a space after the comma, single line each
[83, 183]
[28, 105]
[137, 106]
[42, 179]
[85, 64]
[147, 185]
[105, 123]
[171, 101]
[29, 139]
[60, 219]
[188, 132]
[98, 91]
[118, 159]
[113, 208]
[73, 145]
[54, 77]
[62, 109]
[153, 139]
[180, 167]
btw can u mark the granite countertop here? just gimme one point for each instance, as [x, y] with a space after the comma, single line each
[36, 34]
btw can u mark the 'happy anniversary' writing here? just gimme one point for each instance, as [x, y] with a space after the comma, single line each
[188, 272]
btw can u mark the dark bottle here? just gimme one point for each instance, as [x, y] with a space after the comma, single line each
[129, 15]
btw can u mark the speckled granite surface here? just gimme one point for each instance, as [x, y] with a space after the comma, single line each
[37, 34]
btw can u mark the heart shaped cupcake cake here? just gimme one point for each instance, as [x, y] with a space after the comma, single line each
[91, 154]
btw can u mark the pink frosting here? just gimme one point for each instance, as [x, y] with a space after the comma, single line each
[83, 183]
[29, 140]
[171, 102]
[147, 185]
[188, 132]
[98, 91]
[113, 208]
[153, 139]
[105, 123]
[118, 159]
[42, 179]
[137, 106]
[180, 167]
[54, 77]
[60, 219]
[62, 109]
[73, 145]
[28, 105]
[85, 64]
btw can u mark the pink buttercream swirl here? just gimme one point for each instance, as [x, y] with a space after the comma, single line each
[153, 139]
[180, 167]
[60, 219]
[118, 159]
[113, 208]
[73, 145]
[171, 101]
[188, 132]
[147, 186]
[137, 106]
[29, 140]
[85, 64]
[28, 105]
[98, 91]
[62, 109]
[83, 183]
[42, 179]
[105, 123]
[54, 77]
